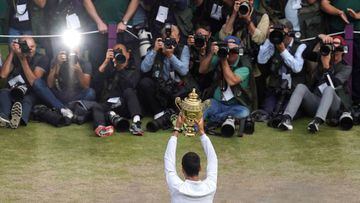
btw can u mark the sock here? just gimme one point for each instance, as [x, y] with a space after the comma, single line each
[136, 118]
[158, 115]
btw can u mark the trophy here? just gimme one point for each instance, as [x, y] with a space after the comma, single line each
[192, 108]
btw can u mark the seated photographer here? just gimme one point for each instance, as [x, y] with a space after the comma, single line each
[22, 67]
[232, 97]
[246, 23]
[192, 189]
[322, 99]
[166, 64]
[200, 45]
[69, 77]
[281, 55]
[119, 93]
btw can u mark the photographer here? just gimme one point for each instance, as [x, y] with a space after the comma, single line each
[167, 63]
[232, 97]
[281, 55]
[21, 69]
[246, 23]
[69, 77]
[321, 100]
[119, 94]
[200, 45]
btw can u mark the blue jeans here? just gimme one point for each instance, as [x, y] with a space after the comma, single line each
[6, 103]
[218, 112]
[69, 96]
[13, 31]
[46, 95]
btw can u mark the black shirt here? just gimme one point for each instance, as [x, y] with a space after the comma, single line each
[14, 21]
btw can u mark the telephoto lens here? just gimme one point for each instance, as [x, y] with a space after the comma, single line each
[244, 8]
[200, 40]
[18, 92]
[277, 36]
[346, 121]
[326, 49]
[121, 124]
[119, 56]
[228, 127]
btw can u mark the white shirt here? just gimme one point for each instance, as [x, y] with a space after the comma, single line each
[291, 13]
[191, 191]
[295, 62]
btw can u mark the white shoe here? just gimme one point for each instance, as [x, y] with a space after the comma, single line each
[4, 122]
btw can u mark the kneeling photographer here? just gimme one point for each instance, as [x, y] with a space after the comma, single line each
[232, 99]
[321, 100]
[200, 55]
[119, 98]
[281, 64]
[21, 69]
[164, 67]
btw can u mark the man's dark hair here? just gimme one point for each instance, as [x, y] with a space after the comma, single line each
[203, 25]
[191, 164]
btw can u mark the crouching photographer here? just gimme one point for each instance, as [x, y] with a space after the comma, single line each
[22, 68]
[232, 99]
[322, 100]
[281, 63]
[165, 66]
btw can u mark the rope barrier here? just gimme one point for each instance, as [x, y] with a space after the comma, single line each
[47, 36]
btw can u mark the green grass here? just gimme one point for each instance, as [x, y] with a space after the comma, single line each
[40, 162]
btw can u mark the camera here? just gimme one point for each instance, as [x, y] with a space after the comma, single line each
[249, 126]
[18, 91]
[145, 38]
[228, 127]
[224, 50]
[169, 42]
[44, 114]
[121, 124]
[119, 56]
[25, 49]
[200, 40]
[163, 122]
[326, 49]
[244, 8]
[278, 34]
[73, 58]
[346, 121]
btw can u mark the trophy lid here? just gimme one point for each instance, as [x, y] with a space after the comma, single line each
[193, 97]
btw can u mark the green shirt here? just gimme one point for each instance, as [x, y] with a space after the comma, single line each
[111, 11]
[242, 72]
[336, 23]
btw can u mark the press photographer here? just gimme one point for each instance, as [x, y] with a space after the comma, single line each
[22, 67]
[200, 45]
[281, 66]
[70, 76]
[119, 98]
[166, 64]
[322, 99]
[232, 99]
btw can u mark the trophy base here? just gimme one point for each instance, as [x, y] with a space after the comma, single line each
[190, 131]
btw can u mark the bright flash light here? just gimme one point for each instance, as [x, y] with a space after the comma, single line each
[71, 38]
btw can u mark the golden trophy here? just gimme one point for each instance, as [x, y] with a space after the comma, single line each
[192, 108]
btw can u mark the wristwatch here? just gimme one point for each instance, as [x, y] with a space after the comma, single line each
[124, 22]
[177, 129]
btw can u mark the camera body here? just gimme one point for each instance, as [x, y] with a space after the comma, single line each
[18, 91]
[200, 40]
[72, 57]
[119, 56]
[278, 34]
[224, 50]
[121, 124]
[24, 47]
[169, 42]
[244, 8]
[326, 49]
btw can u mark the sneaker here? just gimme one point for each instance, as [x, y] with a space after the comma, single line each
[313, 126]
[135, 129]
[104, 131]
[285, 124]
[4, 122]
[67, 113]
[16, 113]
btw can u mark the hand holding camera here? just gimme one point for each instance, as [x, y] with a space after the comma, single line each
[191, 40]
[159, 44]
[20, 48]
[168, 51]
